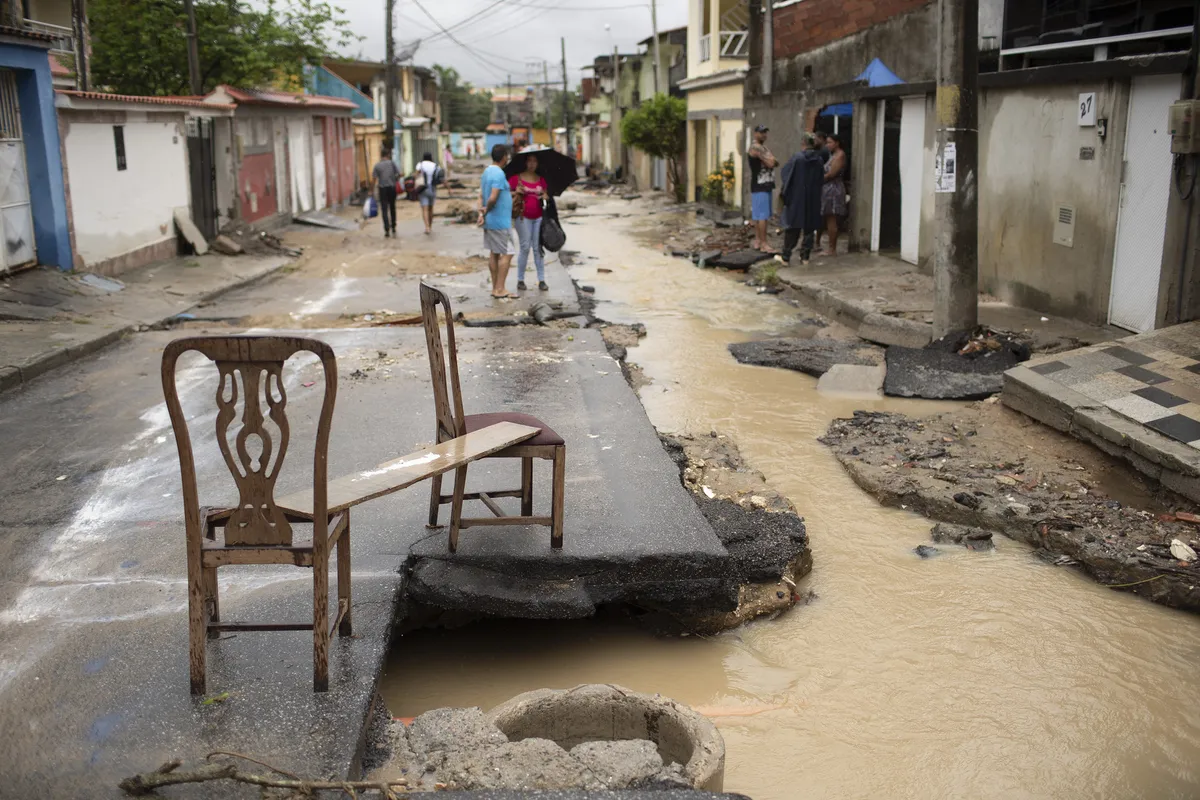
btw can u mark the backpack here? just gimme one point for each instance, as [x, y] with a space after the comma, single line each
[419, 183]
[553, 237]
[439, 176]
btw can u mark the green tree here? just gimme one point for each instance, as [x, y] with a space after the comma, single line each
[463, 109]
[658, 128]
[140, 46]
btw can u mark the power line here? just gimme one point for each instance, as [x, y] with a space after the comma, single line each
[487, 64]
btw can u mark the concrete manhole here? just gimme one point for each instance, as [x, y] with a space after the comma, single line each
[602, 723]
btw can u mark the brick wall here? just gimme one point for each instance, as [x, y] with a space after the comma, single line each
[809, 24]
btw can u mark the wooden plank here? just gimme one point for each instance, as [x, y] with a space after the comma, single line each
[266, 626]
[482, 521]
[223, 556]
[400, 473]
[491, 504]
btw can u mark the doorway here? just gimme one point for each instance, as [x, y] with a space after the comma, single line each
[885, 226]
[17, 247]
[202, 166]
[911, 149]
[1142, 217]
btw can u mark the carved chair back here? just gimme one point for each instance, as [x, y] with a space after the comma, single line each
[447, 399]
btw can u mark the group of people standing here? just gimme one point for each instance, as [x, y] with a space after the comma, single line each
[813, 192]
[498, 216]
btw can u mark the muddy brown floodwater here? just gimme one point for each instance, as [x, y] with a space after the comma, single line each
[982, 675]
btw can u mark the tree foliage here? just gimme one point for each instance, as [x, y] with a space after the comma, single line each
[463, 109]
[140, 46]
[658, 127]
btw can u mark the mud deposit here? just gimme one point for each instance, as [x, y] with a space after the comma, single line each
[989, 467]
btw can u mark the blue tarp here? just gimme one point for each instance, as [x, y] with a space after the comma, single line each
[876, 74]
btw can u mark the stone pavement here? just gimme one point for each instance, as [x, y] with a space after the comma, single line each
[1137, 398]
[889, 301]
[49, 318]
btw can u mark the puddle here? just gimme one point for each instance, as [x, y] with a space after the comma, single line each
[970, 675]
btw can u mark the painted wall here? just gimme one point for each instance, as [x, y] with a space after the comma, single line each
[43, 159]
[116, 212]
[1029, 155]
[339, 160]
[257, 181]
[320, 80]
[716, 97]
[801, 27]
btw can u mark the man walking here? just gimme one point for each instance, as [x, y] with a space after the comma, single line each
[762, 186]
[495, 217]
[385, 175]
[800, 191]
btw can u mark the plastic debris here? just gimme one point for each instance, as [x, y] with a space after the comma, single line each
[709, 493]
[1182, 551]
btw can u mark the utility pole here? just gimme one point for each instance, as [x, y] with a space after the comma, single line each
[654, 32]
[79, 26]
[566, 105]
[193, 50]
[956, 198]
[508, 112]
[618, 150]
[546, 98]
[389, 132]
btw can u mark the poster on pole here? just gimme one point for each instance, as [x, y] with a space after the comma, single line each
[945, 169]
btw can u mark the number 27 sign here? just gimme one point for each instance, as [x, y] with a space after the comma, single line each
[1087, 109]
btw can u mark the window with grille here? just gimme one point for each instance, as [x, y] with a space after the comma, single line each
[119, 143]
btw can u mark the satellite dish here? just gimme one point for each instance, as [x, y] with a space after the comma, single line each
[407, 51]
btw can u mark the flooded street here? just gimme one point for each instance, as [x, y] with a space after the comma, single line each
[967, 675]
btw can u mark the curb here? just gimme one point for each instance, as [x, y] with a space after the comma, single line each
[12, 377]
[868, 323]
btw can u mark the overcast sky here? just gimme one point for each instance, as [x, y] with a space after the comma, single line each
[501, 43]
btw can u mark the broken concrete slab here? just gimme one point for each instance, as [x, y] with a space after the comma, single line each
[853, 379]
[325, 219]
[888, 330]
[738, 259]
[223, 244]
[810, 356]
[937, 375]
[20, 312]
[189, 231]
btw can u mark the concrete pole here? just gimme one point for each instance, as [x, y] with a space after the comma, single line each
[654, 32]
[508, 112]
[193, 50]
[956, 202]
[768, 45]
[566, 105]
[618, 151]
[389, 132]
[80, 28]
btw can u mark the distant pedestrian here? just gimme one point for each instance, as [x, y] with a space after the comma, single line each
[426, 173]
[762, 186]
[802, 179]
[495, 217]
[530, 190]
[448, 164]
[385, 175]
[833, 194]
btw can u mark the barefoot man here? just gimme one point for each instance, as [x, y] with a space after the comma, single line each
[762, 186]
[495, 217]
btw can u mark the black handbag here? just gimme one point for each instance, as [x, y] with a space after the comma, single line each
[553, 237]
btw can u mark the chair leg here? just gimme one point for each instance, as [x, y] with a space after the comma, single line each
[212, 602]
[526, 487]
[435, 501]
[557, 497]
[321, 622]
[460, 488]
[343, 579]
[197, 627]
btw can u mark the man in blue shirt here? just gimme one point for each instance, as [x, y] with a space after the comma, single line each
[495, 217]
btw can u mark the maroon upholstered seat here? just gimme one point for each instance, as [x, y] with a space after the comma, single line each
[475, 422]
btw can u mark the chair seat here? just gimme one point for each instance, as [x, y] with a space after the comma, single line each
[474, 422]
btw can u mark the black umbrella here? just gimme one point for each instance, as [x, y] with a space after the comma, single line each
[558, 170]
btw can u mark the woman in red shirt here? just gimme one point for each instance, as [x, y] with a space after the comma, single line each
[528, 190]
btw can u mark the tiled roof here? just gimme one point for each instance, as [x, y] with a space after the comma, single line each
[273, 97]
[183, 102]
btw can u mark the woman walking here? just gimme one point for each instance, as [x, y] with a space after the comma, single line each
[833, 193]
[530, 189]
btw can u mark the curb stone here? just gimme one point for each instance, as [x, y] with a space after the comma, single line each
[12, 377]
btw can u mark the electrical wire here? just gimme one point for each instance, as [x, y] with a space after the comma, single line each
[497, 69]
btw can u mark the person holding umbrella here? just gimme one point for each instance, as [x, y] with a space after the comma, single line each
[529, 190]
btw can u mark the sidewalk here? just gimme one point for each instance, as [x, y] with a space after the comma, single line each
[50, 318]
[1137, 399]
[890, 302]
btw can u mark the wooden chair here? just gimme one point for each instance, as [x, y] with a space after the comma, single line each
[452, 422]
[257, 531]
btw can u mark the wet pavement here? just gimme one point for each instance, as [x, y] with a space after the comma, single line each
[93, 645]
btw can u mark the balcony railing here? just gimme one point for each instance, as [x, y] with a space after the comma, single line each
[705, 47]
[735, 44]
[64, 38]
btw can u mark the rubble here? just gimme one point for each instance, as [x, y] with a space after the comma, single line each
[964, 366]
[811, 356]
